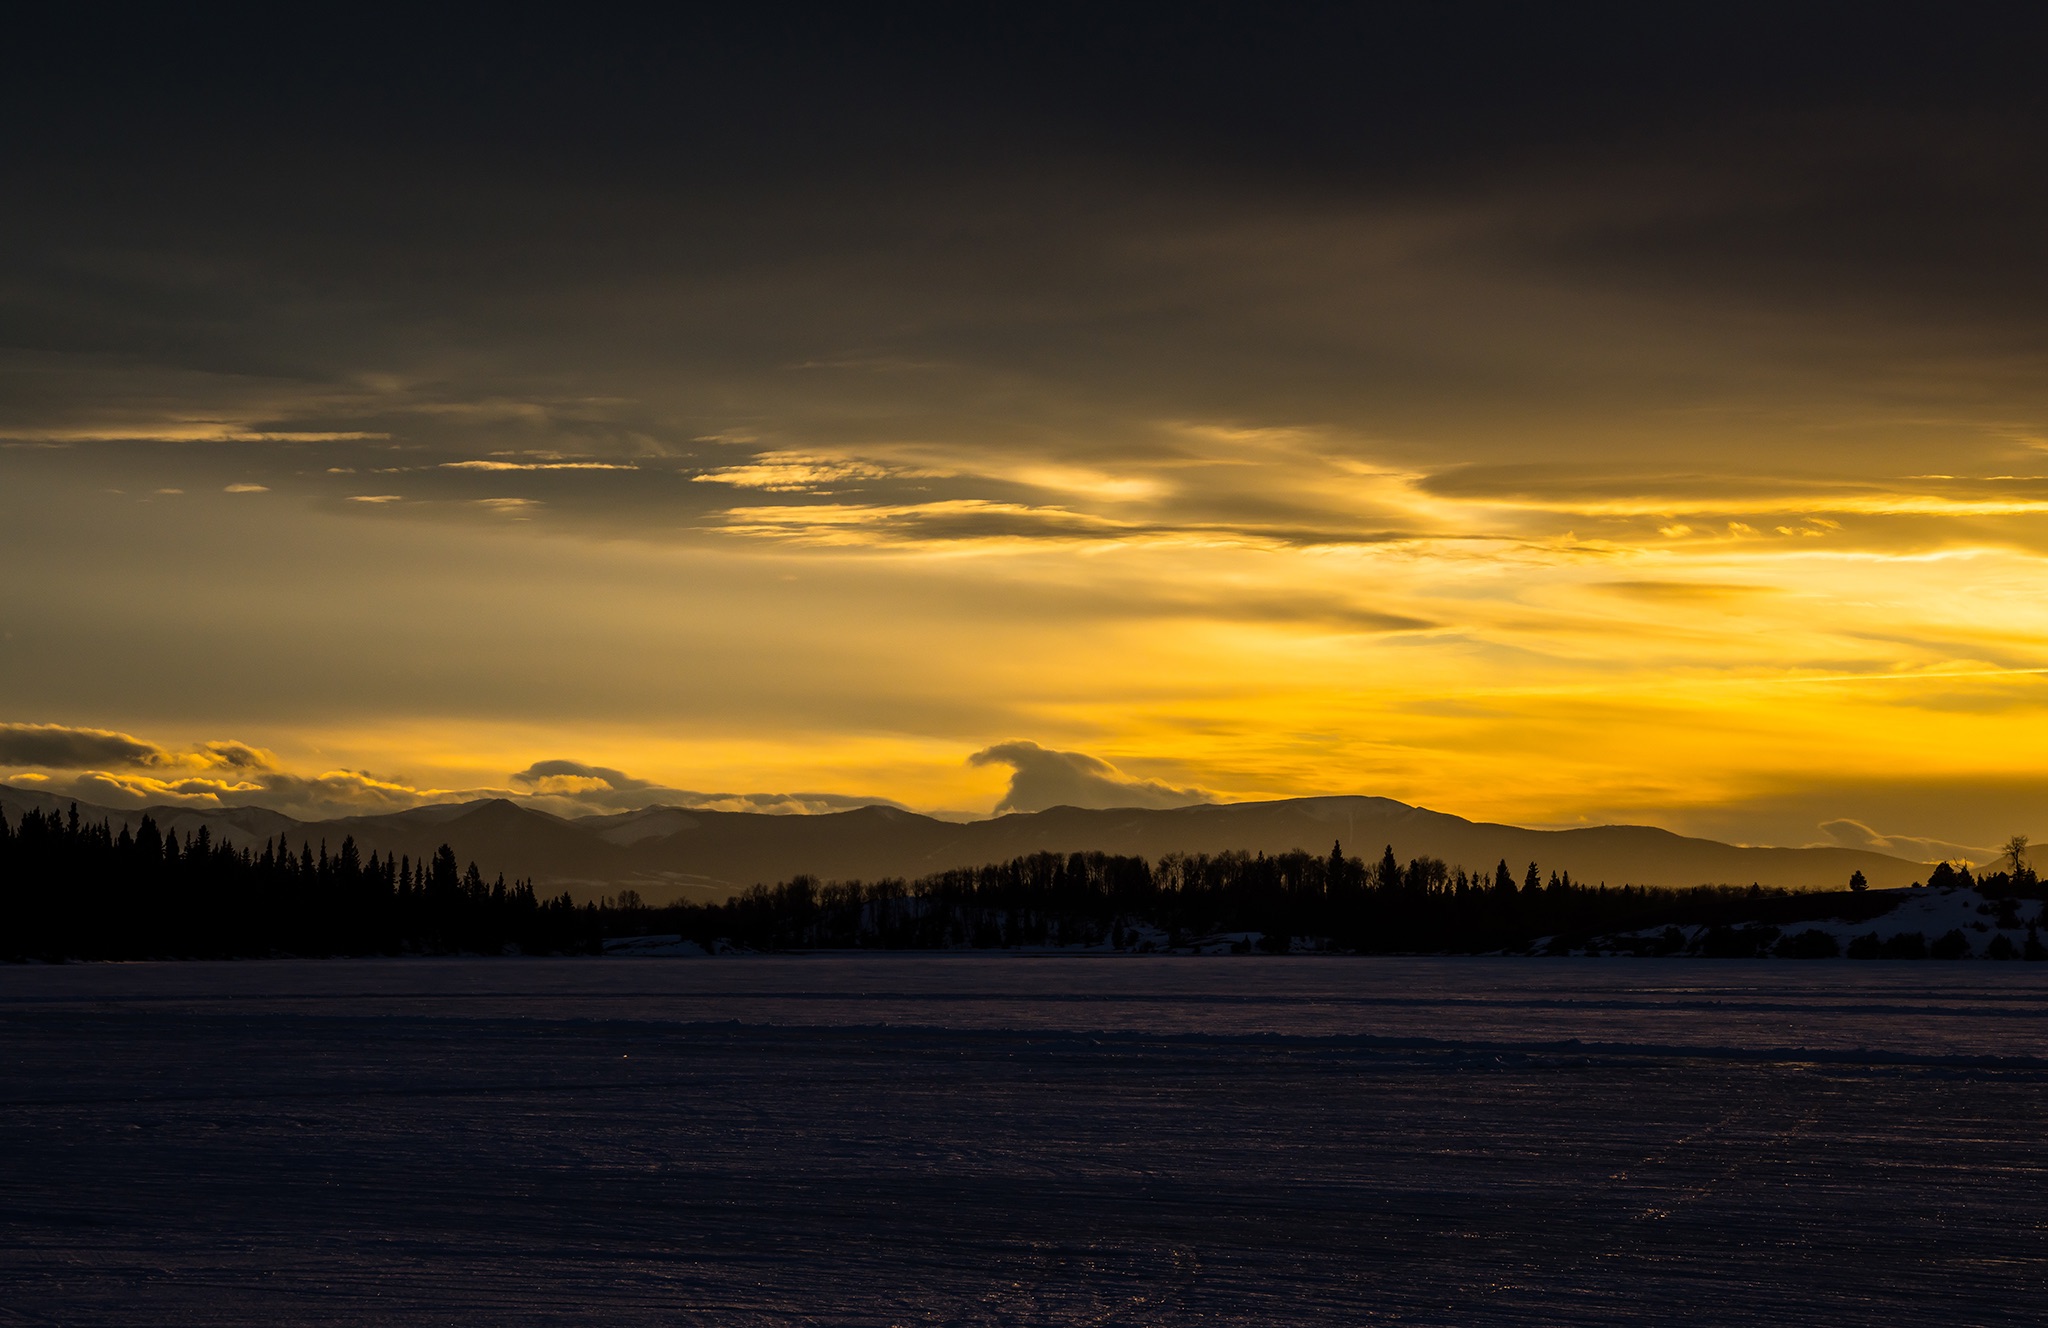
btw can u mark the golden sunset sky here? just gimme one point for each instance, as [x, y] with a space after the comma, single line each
[1547, 417]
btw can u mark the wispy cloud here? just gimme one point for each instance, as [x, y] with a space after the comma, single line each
[945, 521]
[192, 432]
[537, 465]
[576, 787]
[796, 472]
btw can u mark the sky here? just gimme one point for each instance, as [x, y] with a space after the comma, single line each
[1555, 415]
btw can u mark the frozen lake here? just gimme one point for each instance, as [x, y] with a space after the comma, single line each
[1010, 1140]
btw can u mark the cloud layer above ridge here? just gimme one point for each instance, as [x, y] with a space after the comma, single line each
[1531, 415]
[109, 768]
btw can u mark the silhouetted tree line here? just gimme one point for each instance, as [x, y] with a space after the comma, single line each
[75, 890]
[1423, 906]
[83, 891]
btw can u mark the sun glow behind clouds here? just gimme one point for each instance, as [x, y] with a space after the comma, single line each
[1316, 622]
[1616, 466]
[1486, 659]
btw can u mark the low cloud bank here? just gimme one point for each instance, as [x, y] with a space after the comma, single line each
[109, 768]
[120, 770]
[1041, 778]
[61, 746]
[1854, 834]
[574, 788]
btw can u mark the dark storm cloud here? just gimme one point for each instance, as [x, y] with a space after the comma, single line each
[1308, 83]
[1022, 233]
[65, 748]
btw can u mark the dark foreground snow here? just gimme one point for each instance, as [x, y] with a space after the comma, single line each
[908, 1140]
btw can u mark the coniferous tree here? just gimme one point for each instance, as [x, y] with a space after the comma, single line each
[69, 889]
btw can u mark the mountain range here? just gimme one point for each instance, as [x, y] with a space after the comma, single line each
[667, 853]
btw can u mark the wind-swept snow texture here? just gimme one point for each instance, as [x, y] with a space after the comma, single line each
[1003, 1140]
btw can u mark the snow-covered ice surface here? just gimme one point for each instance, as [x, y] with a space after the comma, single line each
[1932, 913]
[1012, 1140]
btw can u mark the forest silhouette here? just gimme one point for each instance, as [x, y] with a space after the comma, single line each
[73, 889]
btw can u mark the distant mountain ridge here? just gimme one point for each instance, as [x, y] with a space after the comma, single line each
[674, 852]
